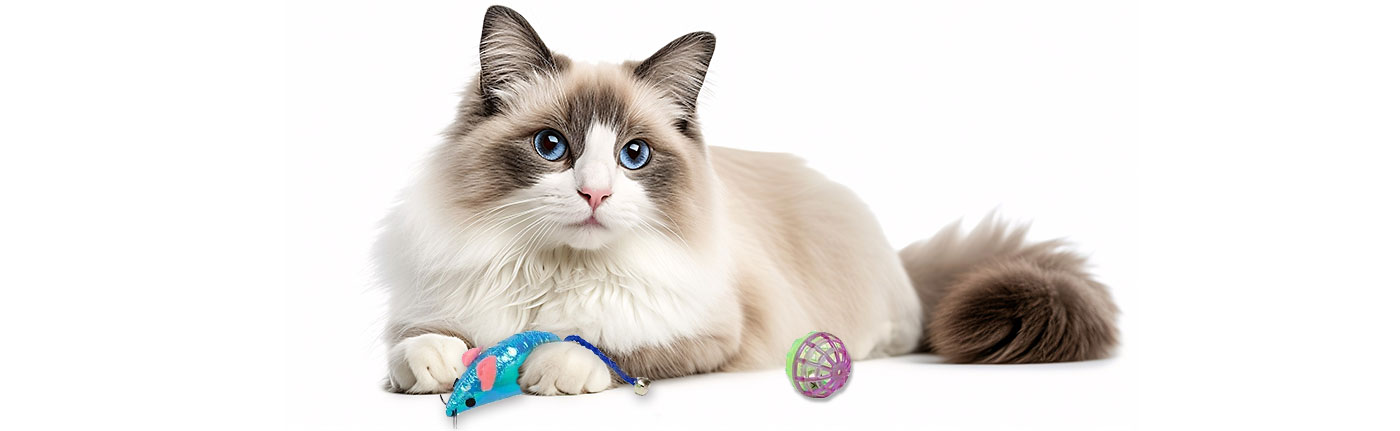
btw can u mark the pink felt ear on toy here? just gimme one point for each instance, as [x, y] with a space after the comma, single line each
[486, 372]
[469, 356]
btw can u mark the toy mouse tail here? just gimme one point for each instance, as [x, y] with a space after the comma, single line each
[992, 297]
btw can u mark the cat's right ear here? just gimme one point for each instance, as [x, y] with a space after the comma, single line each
[511, 54]
[679, 69]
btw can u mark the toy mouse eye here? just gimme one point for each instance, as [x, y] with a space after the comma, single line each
[470, 402]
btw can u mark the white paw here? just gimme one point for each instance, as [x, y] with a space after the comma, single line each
[564, 368]
[426, 364]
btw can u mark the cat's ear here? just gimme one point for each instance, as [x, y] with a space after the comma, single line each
[679, 67]
[511, 54]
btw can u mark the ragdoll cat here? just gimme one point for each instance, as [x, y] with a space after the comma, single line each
[580, 198]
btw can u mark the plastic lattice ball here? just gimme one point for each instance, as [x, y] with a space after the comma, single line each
[818, 364]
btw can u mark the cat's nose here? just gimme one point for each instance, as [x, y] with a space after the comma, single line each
[594, 197]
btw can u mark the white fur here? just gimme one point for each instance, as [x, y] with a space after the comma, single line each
[597, 167]
[427, 363]
[524, 265]
[564, 369]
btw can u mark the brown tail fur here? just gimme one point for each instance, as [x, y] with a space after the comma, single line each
[992, 298]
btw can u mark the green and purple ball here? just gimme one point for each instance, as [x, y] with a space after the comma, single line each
[818, 364]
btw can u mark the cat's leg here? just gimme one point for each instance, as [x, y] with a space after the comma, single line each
[567, 368]
[564, 368]
[426, 363]
[683, 357]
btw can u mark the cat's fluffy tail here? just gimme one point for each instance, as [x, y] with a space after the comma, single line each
[991, 297]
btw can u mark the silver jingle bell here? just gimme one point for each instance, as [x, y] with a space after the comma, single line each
[639, 386]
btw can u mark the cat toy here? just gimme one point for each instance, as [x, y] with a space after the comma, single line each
[492, 373]
[818, 364]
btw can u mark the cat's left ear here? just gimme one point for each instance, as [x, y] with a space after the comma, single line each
[679, 68]
[511, 54]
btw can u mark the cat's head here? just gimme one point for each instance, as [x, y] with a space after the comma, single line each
[578, 154]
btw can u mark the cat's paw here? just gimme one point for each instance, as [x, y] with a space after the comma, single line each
[426, 364]
[564, 368]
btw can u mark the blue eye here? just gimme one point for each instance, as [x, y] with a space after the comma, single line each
[634, 154]
[551, 144]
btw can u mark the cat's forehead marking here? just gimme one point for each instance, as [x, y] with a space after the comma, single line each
[596, 95]
[590, 108]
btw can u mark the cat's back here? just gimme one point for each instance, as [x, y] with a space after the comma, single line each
[781, 185]
[736, 167]
[794, 207]
[803, 236]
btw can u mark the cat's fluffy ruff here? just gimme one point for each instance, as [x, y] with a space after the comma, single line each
[709, 258]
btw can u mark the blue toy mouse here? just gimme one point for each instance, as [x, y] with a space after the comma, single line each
[492, 374]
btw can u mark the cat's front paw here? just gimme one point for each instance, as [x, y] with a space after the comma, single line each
[564, 368]
[426, 364]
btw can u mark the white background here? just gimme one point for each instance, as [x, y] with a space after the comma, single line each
[191, 191]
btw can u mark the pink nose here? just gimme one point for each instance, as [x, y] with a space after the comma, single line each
[594, 197]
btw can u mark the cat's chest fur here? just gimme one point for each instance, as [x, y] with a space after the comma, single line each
[647, 292]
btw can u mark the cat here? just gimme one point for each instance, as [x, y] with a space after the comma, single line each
[581, 198]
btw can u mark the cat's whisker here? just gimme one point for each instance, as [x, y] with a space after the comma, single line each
[512, 226]
[469, 243]
[531, 302]
[516, 202]
[651, 224]
[673, 233]
[673, 223]
[498, 265]
[540, 236]
[523, 250]
[651, 229]
[479, 216]
[482, 216]
[528, 249]
[491, 228]
[525, 233]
